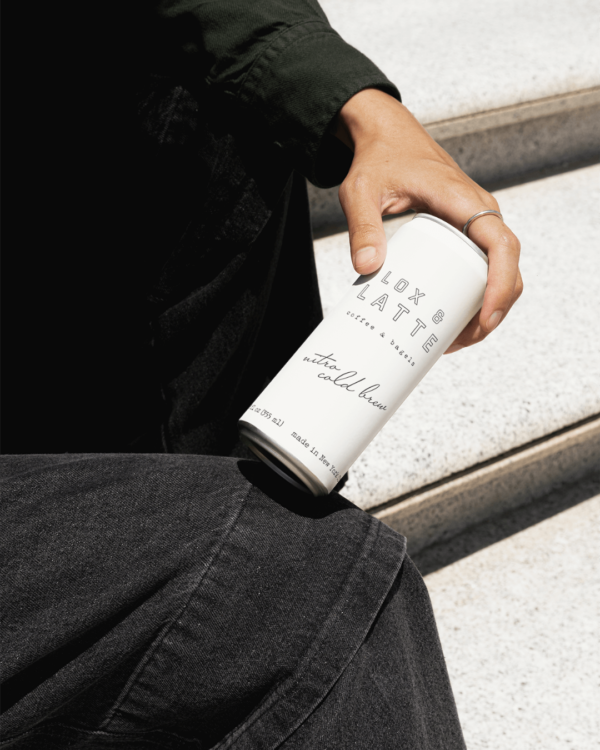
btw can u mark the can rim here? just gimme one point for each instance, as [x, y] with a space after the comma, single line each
[269, 452]
[463, 237]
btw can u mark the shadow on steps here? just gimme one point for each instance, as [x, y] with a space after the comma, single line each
[495, 530]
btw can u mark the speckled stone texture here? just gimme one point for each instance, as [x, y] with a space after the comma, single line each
[454, 58]
[507, 152]
[518, 620]
[447, 508]
[537, 373]
[460, 59]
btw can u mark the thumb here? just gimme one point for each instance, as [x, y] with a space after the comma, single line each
[368, 244]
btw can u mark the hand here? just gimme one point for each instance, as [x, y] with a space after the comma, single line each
[398, 166]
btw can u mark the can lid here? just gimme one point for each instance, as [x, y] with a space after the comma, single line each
[462, 236]
[289, 468]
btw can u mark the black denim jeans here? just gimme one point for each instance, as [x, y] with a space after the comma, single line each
[159, 601]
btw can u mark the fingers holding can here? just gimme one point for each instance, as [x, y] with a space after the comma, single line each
[505, 283]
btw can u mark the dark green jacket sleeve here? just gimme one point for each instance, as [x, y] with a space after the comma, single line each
[281, 63]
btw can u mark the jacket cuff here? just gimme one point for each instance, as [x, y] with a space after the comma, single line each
[298, 85]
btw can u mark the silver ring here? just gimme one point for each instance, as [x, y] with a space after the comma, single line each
[476, 216]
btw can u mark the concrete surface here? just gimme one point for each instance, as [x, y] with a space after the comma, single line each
[538, 373]
[508, 151]
[525, 112]
[518, 613]
[448, 507]
[454, 58]
[504, 90]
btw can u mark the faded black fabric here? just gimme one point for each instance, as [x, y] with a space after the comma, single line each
[238, 291]
[278, 65]
[154, 326]
[187, 601]
[395, 692]
[158, 201]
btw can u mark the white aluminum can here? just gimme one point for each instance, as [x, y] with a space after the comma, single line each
[324, 407]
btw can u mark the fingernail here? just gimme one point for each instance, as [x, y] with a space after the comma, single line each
[493, 320]
[364, 256]
[453, 348]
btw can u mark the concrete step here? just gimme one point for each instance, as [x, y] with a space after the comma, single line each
[516, 604]
[444, 509]
[463, 56]
[488, 406]
[505, 93]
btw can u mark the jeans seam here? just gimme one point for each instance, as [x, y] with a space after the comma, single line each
[314, 650]
[137, 673]
[142, 735]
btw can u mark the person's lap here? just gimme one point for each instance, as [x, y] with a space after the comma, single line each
[192, 601]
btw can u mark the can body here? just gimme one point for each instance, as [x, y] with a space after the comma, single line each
[344, 383]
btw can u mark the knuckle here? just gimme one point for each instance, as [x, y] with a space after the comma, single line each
[491, 202]
[519, 288]
[513, 240]
[355, 184]
[343, 193]
[509, 241]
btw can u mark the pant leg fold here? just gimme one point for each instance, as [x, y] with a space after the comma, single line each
[190, 601]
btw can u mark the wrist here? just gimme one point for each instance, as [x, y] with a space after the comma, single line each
[365, 116]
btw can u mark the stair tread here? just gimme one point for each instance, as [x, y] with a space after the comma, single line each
[538, 373]
[458, 58]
